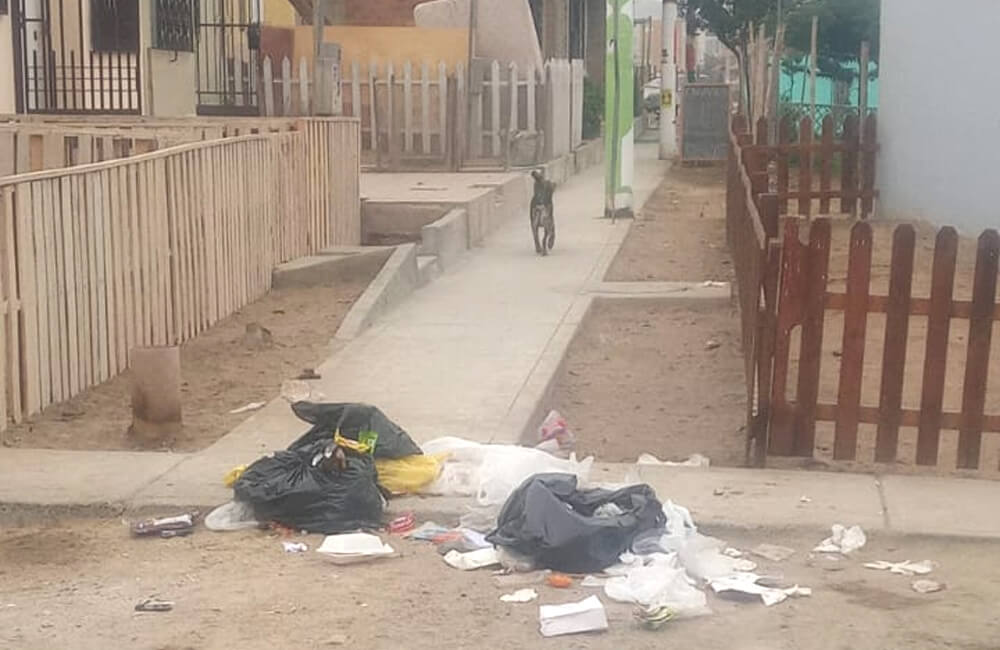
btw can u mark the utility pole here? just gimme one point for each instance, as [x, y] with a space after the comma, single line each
[668, 82]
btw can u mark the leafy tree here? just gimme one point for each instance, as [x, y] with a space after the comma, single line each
[732, 22]
[843, 26]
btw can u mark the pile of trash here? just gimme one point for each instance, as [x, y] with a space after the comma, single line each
[535, 518]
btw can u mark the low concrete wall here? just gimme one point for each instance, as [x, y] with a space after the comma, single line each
[447, 238]
[388, 222]
[329, 266]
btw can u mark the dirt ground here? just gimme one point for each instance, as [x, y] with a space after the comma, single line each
[222, 369]
[638, 378]
[680, 233]
[75, 584]
[651, 376]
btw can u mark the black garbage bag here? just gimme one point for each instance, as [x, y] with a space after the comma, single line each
[548, 519]
[352, 420]
[301, 491]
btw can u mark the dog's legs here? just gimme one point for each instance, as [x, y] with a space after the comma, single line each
[550, 233]
[534, 234]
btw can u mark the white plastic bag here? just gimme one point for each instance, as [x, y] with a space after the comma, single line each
[491, 472]
[234, 515]
[658, 582]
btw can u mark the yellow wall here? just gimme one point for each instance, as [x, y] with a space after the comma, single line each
[278, 13]
[384, 44]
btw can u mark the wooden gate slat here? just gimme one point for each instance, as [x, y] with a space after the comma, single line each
[936, 356]
[826, 164]
[784, 128]
[849, 167]
[977, 360]
[853, 346]
[897, 323]
[805, 166]
[781, 439]
[811, 350]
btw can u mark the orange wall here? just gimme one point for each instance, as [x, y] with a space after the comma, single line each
[384, 44]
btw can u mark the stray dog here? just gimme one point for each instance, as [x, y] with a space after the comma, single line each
[542, 214]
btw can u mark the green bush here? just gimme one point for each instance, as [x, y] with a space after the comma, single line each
[593, 109]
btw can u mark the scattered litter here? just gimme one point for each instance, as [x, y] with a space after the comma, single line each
[520, 596]
[713, 283]
[653, 618]
[514, 561]
[296, 390]
[234, 515]
[905, 568]
[587, 615]
[165, 527]
[154, 605]
[555, 436]
[804, 499]
[657, 581]
[559, 580]
[463, 540]
[773, 552]
[233, 475]
[732, 552]
[308, 374]
[593, 581]
[927, 586]
[473, 560]
[843, 540]
[490, 473]
[549, 519]
[294, 547]
[402, 524]
[252, 406]
[336, 639]
[409, 474]
[746, 583]
[712, 344]
[427, 531]
[350, 548]
[694, 460]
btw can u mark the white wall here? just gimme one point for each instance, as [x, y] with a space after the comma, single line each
[6, 66]
[939, 112]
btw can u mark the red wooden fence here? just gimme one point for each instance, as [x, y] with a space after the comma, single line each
[806, 300]
[786, 294]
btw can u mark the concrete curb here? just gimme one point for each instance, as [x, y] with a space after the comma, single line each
[398, 278]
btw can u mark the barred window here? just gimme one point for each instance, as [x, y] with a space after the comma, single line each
[173, 25]
[114, 25]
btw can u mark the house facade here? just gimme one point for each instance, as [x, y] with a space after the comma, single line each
[938, 128]
[168, 58]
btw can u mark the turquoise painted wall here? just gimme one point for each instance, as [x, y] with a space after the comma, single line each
[792, 90]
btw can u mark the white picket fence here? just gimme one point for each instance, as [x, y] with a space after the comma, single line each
[419, 111]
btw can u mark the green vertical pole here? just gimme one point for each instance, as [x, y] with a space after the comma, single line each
[618, 110]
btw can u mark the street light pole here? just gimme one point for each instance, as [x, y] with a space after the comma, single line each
[668, 82]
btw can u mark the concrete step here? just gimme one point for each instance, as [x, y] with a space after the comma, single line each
[428, 269]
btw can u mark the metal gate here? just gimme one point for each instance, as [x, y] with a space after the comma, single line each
[76, 56]
[704, 122]
[228, 41]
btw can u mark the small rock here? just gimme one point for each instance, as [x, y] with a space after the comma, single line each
[712, 344]
[336, 639]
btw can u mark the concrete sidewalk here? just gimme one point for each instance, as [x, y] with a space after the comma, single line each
[471, 355]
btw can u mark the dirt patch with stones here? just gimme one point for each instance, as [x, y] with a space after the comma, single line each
[224, 368]
[680, 233]
[74, 585]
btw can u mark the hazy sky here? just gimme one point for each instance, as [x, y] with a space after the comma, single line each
[645, 8]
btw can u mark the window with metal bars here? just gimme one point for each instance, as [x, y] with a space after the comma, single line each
[173, 25]
[114, 25]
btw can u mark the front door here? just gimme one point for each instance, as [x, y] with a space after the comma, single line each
[228, 40]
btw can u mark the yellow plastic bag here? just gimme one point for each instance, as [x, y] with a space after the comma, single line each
[233, 475]
[408, 474]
